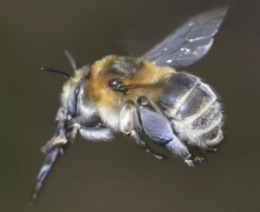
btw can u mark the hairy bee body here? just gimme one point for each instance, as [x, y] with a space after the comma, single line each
[183, 109]
[144, 95]
[145, 76]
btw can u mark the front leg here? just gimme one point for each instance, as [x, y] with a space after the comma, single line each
[54, 147]
[50, 159]
[59, 139]
[130, 125]
[97, 133]
[68, 129]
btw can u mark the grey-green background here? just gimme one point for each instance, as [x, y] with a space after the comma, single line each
[118, 176]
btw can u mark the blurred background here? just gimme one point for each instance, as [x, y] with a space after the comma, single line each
[119, 176]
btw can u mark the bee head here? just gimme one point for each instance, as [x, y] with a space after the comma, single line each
[73, 88]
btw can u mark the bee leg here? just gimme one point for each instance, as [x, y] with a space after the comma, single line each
[59, 139]
[130, 124]
[50, 159]
[203, 153]
[92, 129]
[158, 128]
[56, 141]
[52, 149]
[134, 135]
[68, 129]
[97, 133]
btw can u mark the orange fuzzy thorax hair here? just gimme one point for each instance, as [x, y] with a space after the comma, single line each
[149, 80]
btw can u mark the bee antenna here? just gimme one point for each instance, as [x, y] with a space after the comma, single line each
[72, 60]
[66, 75]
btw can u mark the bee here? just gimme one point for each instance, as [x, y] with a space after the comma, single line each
[121, 94]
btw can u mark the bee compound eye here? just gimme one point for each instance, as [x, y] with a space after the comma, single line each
[115, 84]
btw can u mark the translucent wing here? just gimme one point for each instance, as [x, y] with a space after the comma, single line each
[188, 43]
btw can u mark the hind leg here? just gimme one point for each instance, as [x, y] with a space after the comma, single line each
[144, 146]
[158, 128]
[130, 125]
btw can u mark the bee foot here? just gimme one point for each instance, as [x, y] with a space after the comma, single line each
[189, 162]
[198, 160]
[59, 140]
[194, 161]
[155, 154]
[159, 156]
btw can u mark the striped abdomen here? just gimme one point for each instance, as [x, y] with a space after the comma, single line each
[193, 109]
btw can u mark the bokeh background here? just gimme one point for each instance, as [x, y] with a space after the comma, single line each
[119, 176]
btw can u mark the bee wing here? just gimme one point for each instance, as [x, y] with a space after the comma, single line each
[46, 167]
[188, 43]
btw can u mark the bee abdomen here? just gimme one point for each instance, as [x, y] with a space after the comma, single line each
[186, 97]
[206, 130]
[211, 118]
[176, 90]
[211, 138]
[193, 109]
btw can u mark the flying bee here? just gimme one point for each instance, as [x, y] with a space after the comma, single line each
[143, 95]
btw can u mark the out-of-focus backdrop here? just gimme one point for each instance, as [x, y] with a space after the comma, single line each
[119, 176]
